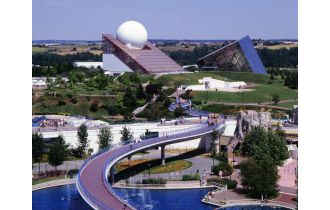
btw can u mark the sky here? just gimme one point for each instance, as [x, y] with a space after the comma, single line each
[166, 19]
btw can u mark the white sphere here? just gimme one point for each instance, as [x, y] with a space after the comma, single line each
[133, 34]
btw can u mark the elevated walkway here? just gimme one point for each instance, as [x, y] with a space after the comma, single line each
[92, 180]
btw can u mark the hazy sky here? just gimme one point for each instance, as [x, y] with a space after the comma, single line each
[166, 19]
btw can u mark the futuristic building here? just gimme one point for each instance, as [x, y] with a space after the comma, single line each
[130, 51]
[237, 56]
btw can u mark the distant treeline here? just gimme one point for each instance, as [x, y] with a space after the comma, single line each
[49, 64]
[183, 57]
[271, 58]
[286, 58]
[52, 59]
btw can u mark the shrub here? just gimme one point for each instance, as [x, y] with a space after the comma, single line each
[231, 184]
[188, 177]
[187, 95]
[154, 181]
[112, 110]
[224, 167]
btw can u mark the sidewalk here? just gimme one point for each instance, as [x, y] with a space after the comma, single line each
[53, 183]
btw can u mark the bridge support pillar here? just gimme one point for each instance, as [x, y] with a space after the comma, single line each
[163, 154]
[112, 175]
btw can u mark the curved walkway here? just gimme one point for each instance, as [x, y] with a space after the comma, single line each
[92, 181]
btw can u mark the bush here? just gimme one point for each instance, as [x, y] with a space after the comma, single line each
[187, 95]
[188, 177]
[61, 102]
[154, 181]
[74, 100]
[112, 110]
[197, 102]
[94, 106]
[69, 94]
[73, 171]
[224, 167]
[231, 184]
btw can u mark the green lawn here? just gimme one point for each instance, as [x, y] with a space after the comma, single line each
[176, 80]
[263, 91]
[173, 166]
[287, 104]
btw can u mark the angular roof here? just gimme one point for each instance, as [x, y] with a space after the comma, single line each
[150, 59]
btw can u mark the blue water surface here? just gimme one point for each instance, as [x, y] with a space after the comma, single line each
[67, 197]
[58, 198]
[165, 199]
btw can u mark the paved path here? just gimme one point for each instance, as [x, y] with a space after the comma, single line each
[53, 183]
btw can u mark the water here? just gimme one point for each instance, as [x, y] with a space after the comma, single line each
[165, 199]
[67, 197]
[58, 198]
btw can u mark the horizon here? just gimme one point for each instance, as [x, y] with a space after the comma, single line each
[170, 20]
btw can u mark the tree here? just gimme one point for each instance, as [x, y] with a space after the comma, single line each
[265, 151]
[167, 103]
[153, 89]
[38, 147]
[129, 99]
[178, 112]
[102, 81]
[83, 142]
[57, 153]
[140, 94]
[127, 136]
[260, 177]
[105, 138]
[275, 99]
[214, 137]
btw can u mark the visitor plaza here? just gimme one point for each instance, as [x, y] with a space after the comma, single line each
[120, 130]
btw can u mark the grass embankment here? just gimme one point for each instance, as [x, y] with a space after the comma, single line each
[39, 181]
[262, 92]
[172, 166]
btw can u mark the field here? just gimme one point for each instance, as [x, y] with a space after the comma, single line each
[275, 47]
[263, 91]
[174, 48]
[68, 49]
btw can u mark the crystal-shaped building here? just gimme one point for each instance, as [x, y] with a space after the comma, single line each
[240, 56]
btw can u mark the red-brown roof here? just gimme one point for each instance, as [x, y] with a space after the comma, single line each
[151, 59]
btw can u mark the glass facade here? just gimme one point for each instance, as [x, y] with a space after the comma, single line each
[238, 56]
